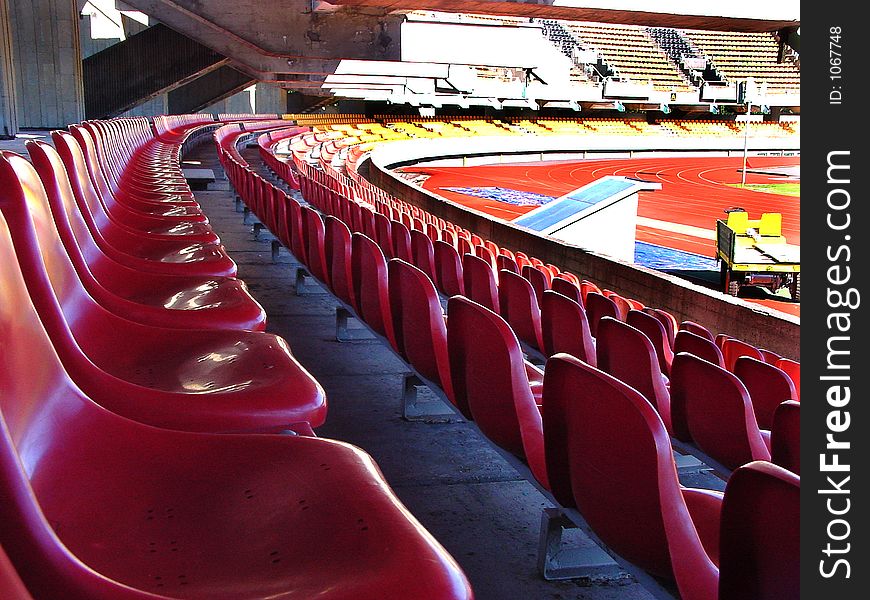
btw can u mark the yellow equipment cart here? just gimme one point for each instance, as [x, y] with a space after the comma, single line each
[754, 252]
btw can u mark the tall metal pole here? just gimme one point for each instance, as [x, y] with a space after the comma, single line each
[746, 137]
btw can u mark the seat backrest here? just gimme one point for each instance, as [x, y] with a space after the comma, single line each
[58, 294]
[519, 307]
[506, 263]
[69, 221]
[401, 237]
[785, 436]
[448, 269]
[719, 414]
[479, 281]
[793, 369]
[418, 323]
[628, 491]
[42, 417]
[315, 250]
[384, 234]
[370, 285]
[768, 387]
[668, 320]
[489, 375]
[295, 227]
[759, 555]
[697, 329]
[77, 170]
[538, 279]
[338, 251]
[702, 347]
[586, 287]
[627, 354]
[564, 328]
[597, 307]
[732, 349]
[423, 253]
[656, 333]
[567, 288]
[622, 305]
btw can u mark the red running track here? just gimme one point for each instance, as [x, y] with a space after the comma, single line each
[693, 193]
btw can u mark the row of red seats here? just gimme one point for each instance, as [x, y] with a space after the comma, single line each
[477, 360]
[116, 406]
[494, 281]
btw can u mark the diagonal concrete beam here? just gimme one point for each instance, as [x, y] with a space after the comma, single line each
[268, 38]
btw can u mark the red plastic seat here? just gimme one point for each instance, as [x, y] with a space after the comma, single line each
[768, 387]
[187, 514]
[401, 237]
[622, 306]
[732, 349]
[519, 307]
[697, 329]
[419, 326]
[702, 347]
[793, 369]
[108, 213]
[668, 320]
[565, 328]
[489, 375]
[539, 280]
[627, 354]
[506, 263]
[383, 234]
[448, 269]
[150, 298]
[611, 445]
[597, 307]
[315, 244]
[760, 542]
[484, 253]
[195, 379]
[568, 288]
[295, 229]
[479, 282]
[423, 253]
[338, 259]
[785, 436]
[586, 287]
[655, 331]
[11, 586]
[370, 286]
[683, 377]
[719, 414]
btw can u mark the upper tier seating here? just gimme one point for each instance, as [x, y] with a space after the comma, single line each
[632, 52]
[738, 56]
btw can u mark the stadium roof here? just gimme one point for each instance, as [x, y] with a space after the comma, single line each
[735, 15]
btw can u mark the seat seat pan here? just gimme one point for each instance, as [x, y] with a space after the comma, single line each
[251, 516]
[202, 304]
[253, 369]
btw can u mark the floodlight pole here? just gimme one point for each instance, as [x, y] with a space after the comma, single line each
[746, 139]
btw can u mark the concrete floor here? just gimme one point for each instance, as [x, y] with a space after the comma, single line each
[445, 472]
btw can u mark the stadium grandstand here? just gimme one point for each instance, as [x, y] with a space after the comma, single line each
[406, 299]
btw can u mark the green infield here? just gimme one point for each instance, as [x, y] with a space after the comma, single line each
[784, 189]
